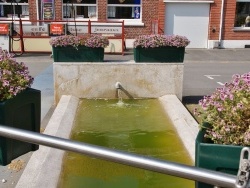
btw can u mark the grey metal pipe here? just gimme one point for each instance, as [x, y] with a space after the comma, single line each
[118, 85]
[148, 163]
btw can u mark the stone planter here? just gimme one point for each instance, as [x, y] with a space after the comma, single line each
[217, 157]
[79, 54]
[162, 54]
[23, 112]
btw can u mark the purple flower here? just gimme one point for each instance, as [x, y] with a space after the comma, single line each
[92, 41]
[227, 111]
[154, 41]
[14, 76]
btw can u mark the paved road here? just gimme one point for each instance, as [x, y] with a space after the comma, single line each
[206, 70]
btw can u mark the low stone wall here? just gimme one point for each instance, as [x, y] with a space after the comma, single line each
[138, 80]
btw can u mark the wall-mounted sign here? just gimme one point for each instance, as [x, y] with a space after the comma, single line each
[48, 9]
[56, 29]
[79, 28]
[34, 28]
[4, 29]
[106, 29]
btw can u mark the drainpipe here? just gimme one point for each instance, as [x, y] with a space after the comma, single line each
[221, 22]
[37, 12]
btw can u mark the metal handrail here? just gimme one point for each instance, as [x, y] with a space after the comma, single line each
[162, 166]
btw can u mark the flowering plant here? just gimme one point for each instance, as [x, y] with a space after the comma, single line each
[154, 41]
[92, 41]
[227, 111]
[14, 76]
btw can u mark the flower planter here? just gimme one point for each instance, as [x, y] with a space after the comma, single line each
[24, 112]
[217, 157]
[79, 54]
[162, 54]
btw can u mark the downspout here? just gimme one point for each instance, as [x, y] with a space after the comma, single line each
[221, 23]
[37, 11]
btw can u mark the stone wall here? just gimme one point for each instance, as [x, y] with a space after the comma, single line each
[98, 80]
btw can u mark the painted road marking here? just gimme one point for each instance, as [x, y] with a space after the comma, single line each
[211, 76]
[220, 83]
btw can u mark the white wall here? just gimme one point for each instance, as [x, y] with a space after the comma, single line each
[229, 43]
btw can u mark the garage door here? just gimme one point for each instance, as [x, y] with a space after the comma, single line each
[190, 20]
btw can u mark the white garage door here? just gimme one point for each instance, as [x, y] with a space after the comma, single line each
[190, 20]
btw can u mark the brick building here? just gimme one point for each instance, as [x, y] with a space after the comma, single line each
[206, 23]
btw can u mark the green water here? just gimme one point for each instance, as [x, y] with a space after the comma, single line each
[138, 126]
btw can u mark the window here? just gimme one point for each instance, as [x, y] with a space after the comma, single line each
[242, 17]
[124, 9]
[10, 9]
[79, 9]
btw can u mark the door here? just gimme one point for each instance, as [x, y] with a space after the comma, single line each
[190, 20]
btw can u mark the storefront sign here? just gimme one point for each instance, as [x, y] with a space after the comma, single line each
[79, 28]
[56, 29]
[106, 29]
[48, 9]
[37, 29]
[4, 29]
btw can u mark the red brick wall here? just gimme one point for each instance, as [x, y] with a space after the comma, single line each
[214, 20]
[228, 22]
[102, 10]
[32, 9]
[58, 10]
[151, 10]
[161, 16]
[155, 10]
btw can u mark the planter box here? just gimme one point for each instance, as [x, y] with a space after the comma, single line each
[217, 157]
[162, 54]
[79, 54]
[24, 112]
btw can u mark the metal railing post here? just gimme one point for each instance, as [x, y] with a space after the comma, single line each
[180, 170]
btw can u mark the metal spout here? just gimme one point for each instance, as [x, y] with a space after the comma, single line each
[118, 85]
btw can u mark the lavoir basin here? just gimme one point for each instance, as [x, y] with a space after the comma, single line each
[138, 126]
[46, 166]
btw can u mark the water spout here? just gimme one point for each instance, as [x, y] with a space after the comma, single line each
[118, 85]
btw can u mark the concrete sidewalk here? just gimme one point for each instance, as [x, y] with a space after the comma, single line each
[41, 68]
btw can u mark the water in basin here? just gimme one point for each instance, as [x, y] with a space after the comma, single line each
[137, 126]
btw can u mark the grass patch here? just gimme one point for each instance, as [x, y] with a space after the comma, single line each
[190, 108]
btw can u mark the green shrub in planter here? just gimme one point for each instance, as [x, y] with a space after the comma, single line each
[225, 124]
[160, 48]
[85, 48]
[20, 106]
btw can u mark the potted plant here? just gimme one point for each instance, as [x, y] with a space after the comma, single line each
[20, 106]
[224, 127]
[85, 48]
[160, 48]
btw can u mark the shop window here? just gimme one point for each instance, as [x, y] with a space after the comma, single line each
[79, 9]
[242, 17]
[10, 9]
[124, 9]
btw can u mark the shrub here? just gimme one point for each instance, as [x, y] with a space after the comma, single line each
[92, 41]
[14, 76]
[227, 111]
[154, 41]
